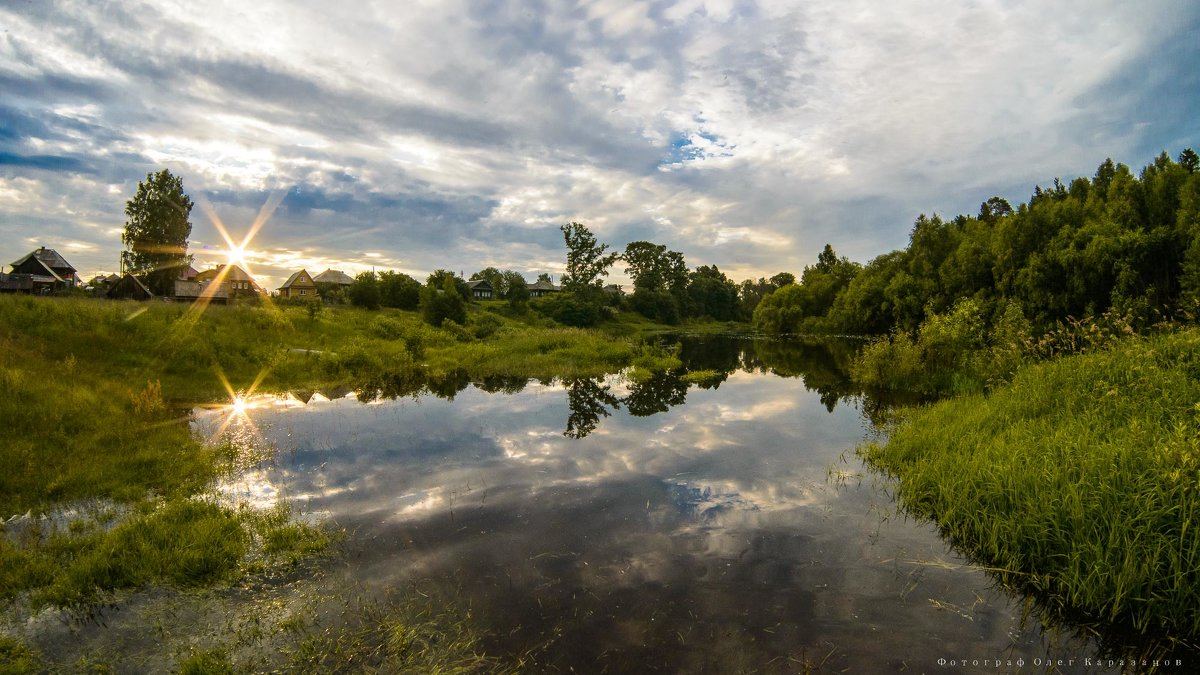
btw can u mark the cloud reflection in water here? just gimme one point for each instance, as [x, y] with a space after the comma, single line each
[684, 538]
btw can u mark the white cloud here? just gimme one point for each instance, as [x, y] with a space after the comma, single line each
[743, 134]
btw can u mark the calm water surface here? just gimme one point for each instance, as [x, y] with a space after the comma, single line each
[612, 526]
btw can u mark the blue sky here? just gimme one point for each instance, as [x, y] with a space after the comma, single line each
[461, 134]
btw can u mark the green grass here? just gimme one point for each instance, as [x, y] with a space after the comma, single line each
[97, 400]
[16, 658]
[97, 392]
[1078, 481]
[181, 543]
[98, 395]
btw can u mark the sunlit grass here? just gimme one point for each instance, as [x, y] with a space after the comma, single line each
[1079, 480]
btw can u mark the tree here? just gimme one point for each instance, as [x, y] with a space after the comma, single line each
[364, 292]
[399, 290]
[783, 279]
[711, 293]
[439, 304]
[157, 230]
[653, 268]
[995, 208]
[587, 263]
[660, 280]
[516, 291]
[438, 280]
[544, 277]
[1189, 160]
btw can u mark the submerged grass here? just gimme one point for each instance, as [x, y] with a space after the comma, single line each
[182, 543]
[1078, 481]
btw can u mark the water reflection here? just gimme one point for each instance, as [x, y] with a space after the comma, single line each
[675, 524]
[672, 526]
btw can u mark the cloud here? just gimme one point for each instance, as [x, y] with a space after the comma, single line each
[461, 134]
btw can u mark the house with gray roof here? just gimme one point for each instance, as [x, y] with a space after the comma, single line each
[40, 271]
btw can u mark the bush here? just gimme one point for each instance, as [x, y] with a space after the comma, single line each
[569, 309]
[442, 304]
[485, 325]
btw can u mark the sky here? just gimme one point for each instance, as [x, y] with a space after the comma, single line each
[461, 134]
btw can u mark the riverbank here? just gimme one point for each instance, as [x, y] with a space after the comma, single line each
[107, 490]
[1077, 481]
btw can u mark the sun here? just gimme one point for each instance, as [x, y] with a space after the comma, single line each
[236, 255]
[239, 405]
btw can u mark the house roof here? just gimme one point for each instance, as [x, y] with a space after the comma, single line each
[296, 278]
[41, 266]
[477, 283]
[129, 284]
[235, 273]
[334, 277]
[50, 259]
[543, 285]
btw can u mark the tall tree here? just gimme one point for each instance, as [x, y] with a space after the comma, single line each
[653, 268]
[712, 294]
[157, 230]
[587, 264]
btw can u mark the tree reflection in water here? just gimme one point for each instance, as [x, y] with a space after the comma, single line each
[823, 365]
[588, 400]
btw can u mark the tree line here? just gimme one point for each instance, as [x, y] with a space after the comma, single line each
[1113, 242]
[1117, 242]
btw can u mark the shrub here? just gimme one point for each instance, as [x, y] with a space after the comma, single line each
[568, 309]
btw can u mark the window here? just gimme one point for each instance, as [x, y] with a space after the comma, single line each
[301, 291]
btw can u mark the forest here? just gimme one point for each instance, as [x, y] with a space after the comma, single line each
[1117, 241]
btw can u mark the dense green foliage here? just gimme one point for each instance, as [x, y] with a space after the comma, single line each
[1116, 241]
[587, 263]
[1078, 481]
[443, 303]
[157, 230]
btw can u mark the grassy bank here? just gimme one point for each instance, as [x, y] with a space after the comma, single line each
[1077, 481]
[97, 392]
[98, 395]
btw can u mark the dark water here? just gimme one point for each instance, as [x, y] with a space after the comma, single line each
[612, 526]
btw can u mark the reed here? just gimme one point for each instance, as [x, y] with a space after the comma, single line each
[1077, 481]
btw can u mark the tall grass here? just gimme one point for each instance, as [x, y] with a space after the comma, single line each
[1078, 481]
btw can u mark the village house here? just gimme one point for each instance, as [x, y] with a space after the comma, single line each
[542, 288]
[41, 271]
[299, 285]
[235, 281]
[128, 287]
[480, 289]
[334, 277]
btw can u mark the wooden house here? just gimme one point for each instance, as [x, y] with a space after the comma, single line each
[193, 291]
[40, 271]
[542, 288]
[235, 281]
[129, 287]
[481, 289]
[299, 285]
